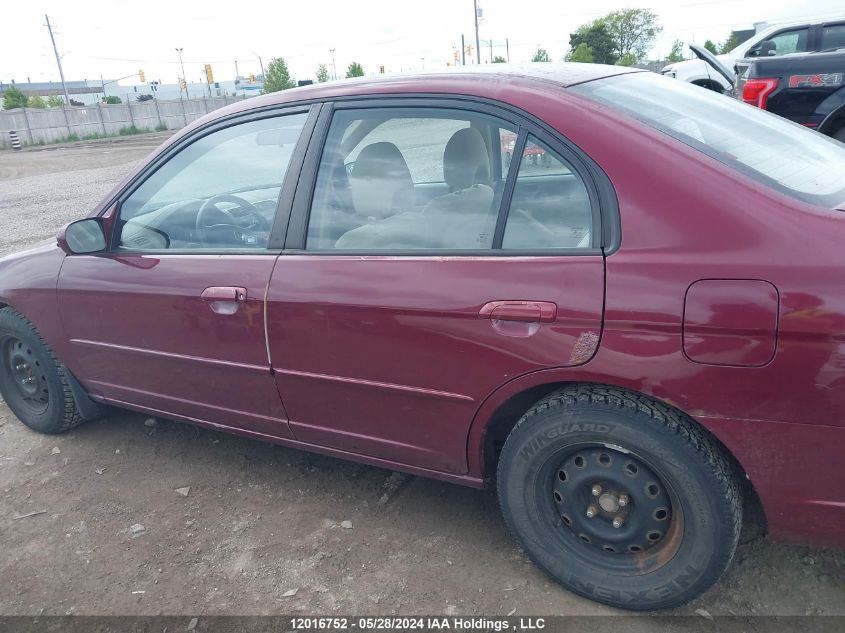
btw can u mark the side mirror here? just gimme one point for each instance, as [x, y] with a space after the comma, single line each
[82, 236]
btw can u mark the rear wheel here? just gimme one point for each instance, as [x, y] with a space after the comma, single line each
[619, 498]
[33, 384]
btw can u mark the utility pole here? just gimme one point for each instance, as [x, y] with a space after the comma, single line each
[260, 63]
[182, 64]
[463, 51]
[507, 50]
[491, 51]
[58, 58]
[334, 68]
[477, 48]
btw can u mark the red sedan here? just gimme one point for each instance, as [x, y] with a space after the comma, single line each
[633, 338]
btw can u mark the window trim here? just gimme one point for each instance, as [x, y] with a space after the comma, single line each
[285, 195]
[606, 232]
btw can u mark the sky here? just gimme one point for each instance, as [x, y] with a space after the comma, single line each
[114, 39]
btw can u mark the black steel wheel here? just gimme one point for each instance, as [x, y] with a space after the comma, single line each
[26, 374]
[33, 384]
[613, 501]
[620, 498]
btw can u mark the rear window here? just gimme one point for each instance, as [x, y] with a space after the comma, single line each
[779, 153]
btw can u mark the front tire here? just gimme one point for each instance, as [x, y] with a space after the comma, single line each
[32, 382]
[619, 498]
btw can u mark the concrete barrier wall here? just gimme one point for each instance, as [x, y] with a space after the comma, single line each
[49, 125]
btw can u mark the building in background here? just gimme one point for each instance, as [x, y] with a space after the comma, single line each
[89, 92]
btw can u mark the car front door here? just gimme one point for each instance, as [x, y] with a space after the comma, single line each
[170, 318]
[441, 251]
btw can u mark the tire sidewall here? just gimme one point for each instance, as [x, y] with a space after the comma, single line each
[544, 438]
[50, 420]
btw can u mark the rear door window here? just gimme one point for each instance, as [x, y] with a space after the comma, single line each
[408, 179]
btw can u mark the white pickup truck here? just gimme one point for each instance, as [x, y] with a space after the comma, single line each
[780, 39]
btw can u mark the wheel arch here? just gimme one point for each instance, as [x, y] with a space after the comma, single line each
[89, 409]
[833, 121]
[501, 411]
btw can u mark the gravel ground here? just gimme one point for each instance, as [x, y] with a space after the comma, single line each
[261, 528]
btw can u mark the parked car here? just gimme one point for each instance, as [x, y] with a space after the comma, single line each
[631, 354]
[780, 39]
[808, 88]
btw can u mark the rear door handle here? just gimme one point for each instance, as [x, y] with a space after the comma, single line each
[224, 299]
[525, 311]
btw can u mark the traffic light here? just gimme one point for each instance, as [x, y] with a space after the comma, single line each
[209, 76]
[251, 78]
[141, 76]
[182, 85]
[381, 69]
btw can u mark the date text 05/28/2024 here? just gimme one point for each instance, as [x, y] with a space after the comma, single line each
[433, 623]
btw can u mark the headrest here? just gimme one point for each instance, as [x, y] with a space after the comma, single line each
[380, 181]
[465, 160]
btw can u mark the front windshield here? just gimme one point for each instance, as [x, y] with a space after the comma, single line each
[783, 155]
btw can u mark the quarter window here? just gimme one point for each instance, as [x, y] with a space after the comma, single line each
[219, 192]
[395, 179]
[550, 207]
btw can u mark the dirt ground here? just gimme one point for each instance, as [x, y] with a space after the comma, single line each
[263, 529]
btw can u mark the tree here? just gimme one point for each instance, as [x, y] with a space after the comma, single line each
[278, 76]
[36, 102]
[322, 73]
[597, 38]
[14, 98]
[677, 52]
[582, 53]
[541, 55]
[633, 31]
[729, 44]
[55, 101]
[498, 59]
[355, 70]
[112, 100]
[710, 46]
[627, 59]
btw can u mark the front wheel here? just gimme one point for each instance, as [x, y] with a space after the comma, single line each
[32, 382]
[619, 498]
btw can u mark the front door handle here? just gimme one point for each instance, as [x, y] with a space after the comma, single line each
[524, 311]
[224, 299]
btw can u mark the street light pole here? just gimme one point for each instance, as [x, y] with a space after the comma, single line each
[58, 59]
[477, 47]
[334, 67]
[182, 64]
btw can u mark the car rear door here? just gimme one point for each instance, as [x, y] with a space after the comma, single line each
[170, 318]
[392, 315]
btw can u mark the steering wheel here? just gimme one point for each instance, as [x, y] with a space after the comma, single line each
[239, 225]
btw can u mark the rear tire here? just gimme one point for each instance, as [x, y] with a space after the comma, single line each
[33, 383]
[587, 457]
